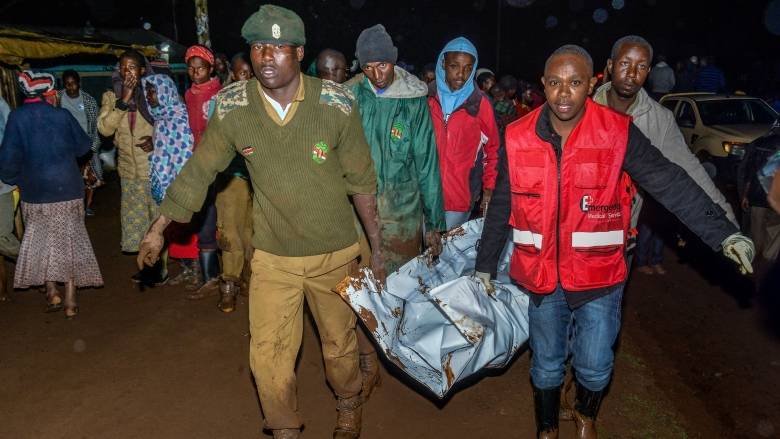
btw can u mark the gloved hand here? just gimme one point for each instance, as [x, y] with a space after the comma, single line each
[740, 249]
[485, 279]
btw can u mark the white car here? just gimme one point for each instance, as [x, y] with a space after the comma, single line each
[718, 127]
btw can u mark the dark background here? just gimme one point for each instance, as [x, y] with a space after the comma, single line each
[736, 32]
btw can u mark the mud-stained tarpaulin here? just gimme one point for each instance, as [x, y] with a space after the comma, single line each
[435, 321]
[18, 45]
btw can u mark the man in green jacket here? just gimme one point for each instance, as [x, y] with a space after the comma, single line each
[397, 123]
[303, 144]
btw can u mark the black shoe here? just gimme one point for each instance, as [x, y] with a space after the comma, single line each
[153, 276]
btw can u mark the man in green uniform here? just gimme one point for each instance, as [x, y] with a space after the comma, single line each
[304, 147]
[394, 109]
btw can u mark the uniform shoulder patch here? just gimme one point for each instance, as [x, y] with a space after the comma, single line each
[336, 95]
[231, 97]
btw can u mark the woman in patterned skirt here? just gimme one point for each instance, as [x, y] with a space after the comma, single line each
[39, 154]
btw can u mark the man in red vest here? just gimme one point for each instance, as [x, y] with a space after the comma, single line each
[564, 189]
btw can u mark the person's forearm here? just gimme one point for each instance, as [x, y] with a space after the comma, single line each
[366, 207]
[159, 225]
[671, 186]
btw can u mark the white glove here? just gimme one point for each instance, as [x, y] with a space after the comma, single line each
[485, 279]
[740, 249]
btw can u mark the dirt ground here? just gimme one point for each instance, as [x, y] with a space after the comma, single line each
[695, 360]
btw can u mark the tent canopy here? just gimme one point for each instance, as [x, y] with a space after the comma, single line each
[17, 45]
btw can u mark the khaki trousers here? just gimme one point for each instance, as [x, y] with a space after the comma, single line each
[234, 224]
[365, 345]
[277, 290]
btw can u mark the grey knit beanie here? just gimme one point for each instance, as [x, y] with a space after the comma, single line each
[375, 45]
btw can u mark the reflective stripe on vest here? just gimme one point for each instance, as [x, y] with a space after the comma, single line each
[526, 237]
[596, 239]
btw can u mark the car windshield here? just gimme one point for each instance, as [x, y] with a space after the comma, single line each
[735, 112]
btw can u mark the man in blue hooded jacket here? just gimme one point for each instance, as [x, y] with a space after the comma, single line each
[467, 137]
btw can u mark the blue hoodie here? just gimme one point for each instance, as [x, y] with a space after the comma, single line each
[451, 100]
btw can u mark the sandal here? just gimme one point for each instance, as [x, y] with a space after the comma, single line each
[51, 305]
[71, 313]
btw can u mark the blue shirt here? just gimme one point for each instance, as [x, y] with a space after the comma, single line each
[39, 153]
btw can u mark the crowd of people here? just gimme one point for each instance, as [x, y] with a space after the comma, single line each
[298, 179]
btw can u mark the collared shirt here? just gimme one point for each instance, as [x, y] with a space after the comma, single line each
[275, 110]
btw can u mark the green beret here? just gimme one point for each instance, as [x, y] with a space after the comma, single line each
[274, 24]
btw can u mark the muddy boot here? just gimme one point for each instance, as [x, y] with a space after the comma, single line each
[189, 275]
[350, 414]
[369, 369]
[585, 410]
[209, 269]
[228, 290]
[546, 406]
[566, 412]
[287, 433]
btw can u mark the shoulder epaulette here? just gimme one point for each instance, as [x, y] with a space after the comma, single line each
[230, 98]
[336, 95]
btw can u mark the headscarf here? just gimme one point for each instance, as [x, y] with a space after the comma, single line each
[451, 100]
[200, 51]
[173, 138]
[35, 84]
[138, 103]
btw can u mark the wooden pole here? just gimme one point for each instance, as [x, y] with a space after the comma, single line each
[175, 25]
[202, 22]
[498, 37]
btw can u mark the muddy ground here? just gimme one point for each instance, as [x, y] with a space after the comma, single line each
[695, 360]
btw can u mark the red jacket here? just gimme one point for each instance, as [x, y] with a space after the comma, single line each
[570, 218]
[468, 150]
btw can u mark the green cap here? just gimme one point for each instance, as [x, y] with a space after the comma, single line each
[274, 24]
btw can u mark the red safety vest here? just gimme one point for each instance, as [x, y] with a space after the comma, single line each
[570, 224]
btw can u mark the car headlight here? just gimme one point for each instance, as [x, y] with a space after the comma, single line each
[734, 148]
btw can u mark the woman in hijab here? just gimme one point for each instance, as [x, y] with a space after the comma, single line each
[39, 154]
[173, 139]
[125, 116]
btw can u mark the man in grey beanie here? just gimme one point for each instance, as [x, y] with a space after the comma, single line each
[397, 124]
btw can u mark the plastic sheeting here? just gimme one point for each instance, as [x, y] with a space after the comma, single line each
[435, 321]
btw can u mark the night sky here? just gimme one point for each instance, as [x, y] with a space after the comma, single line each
[737, 35]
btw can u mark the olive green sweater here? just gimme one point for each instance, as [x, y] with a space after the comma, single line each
[301, 172]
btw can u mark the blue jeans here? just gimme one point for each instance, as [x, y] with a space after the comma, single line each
[593, 327]
[649, 246]
[455, 219]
